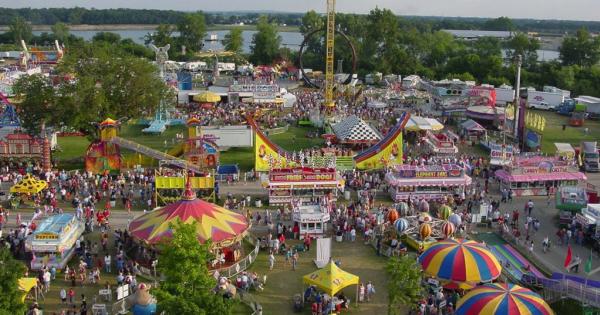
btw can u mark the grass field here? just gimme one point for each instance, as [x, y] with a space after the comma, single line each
[283, 282]
[573, 135]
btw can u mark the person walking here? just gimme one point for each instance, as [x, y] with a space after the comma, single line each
[63, 295]
[271, 261]
[71, 295]
[307, 241]
[107, 261]
[47, 277]
[294, 260]
[370, 290]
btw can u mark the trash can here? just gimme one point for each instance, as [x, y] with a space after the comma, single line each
[258, 203]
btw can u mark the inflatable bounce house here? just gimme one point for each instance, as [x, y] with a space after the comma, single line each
[102, 155]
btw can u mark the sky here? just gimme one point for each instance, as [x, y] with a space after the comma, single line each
[535, 9]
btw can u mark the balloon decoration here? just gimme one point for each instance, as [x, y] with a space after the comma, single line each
[445, 212]
[393, 215]
[401, 225]
[424, 217]
[455, 219]
[448, 229]
[425, 230]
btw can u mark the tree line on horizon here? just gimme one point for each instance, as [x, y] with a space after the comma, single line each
[78, 15]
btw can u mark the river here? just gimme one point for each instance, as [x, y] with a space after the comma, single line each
[291, 40]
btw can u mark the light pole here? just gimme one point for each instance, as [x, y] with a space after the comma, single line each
[517, 102]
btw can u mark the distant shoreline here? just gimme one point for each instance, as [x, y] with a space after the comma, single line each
[141, 27]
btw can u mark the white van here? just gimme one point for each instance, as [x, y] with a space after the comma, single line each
[541, 105]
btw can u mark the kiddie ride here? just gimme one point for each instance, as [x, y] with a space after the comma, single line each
[200, 157]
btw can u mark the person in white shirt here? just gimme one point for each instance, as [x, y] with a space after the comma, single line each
[47, 276]
[107, 261]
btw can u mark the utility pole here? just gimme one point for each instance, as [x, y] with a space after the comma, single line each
[517, 103]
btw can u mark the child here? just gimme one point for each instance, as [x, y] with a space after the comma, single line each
[361, 293]
[271, 261]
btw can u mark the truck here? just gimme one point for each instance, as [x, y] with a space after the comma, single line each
[567, 107]
[544, 100]
[588, 156]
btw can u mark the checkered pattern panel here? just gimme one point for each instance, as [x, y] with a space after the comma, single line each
[355, 129]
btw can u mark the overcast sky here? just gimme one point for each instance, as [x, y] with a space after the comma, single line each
[536, 9]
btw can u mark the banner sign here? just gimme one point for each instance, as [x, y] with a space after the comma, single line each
[431, 172]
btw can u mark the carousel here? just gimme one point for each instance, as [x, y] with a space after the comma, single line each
[225, 229]
[421, 231]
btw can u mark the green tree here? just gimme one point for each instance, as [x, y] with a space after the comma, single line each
[581, 49]
[60, 31]
[192, 31]
[108, 37]
[163, 35]
[234, 40]
[20, 30]
[38, 100]
[404, 283]
[265, 43]
[109, 82]
[187, 285]
[10, 272]
[502, 23]
[521, 44]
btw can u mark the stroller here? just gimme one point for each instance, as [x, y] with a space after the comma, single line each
[298, 303]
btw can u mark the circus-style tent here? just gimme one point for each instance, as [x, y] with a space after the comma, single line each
[331, 279]
[223, 227]
[355, 130]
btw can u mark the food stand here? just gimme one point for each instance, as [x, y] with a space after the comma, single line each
[565, 151]
[302, 185]
[311, 219]
[52, 244]
[538, 176]
[440, 143]
[570, 198]
[431, 182]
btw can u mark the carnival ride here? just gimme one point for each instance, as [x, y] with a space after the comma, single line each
[384, 153]
[36, 56]
[9, 117]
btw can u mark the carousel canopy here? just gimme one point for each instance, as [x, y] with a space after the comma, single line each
[221, 226]
[29, 185]
[502, 298]
[331, 279]
[461, 261]
[355, 130]
[207, 97]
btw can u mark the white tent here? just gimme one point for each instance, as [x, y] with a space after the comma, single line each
[289, 100]
[376, 104]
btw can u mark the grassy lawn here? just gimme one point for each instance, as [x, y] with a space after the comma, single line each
[243, 157]
[157, 142]
[283, 282]
[295, 139]
[71, 148]
[573, 135]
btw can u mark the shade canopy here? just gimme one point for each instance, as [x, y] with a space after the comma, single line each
[502, 299]
[417, 123]
[25, 285]
[461, 261]
[472, 125]
[29, 185]
[221, 226]
[330, 279]
[207, 97]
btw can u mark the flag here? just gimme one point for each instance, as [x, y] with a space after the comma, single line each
[569, 257]
[588, 264]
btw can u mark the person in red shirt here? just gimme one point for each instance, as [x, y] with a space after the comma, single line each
[515, 217]
[307, 241]
[296, 230]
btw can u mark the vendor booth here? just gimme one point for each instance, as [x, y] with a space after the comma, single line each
[52, 244]
[538, 176]
[441, 143]
[565, 151]
[331, 280]
[472, 130]
[570, 198]
[303, 185]
[311, 219]
[432, 182]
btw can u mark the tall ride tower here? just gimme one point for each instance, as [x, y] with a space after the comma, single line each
[329, 56]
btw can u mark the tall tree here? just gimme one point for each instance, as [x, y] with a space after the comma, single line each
[521, 44]
[187, 285]
[192, 31]
[502, 23]
[581, 49]
[163, 35]
[60, 31]
[20, 30]
[38, 100]
[10, 272]
[234, 40]
[265, 43]
[404, 283]
[110, 83]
